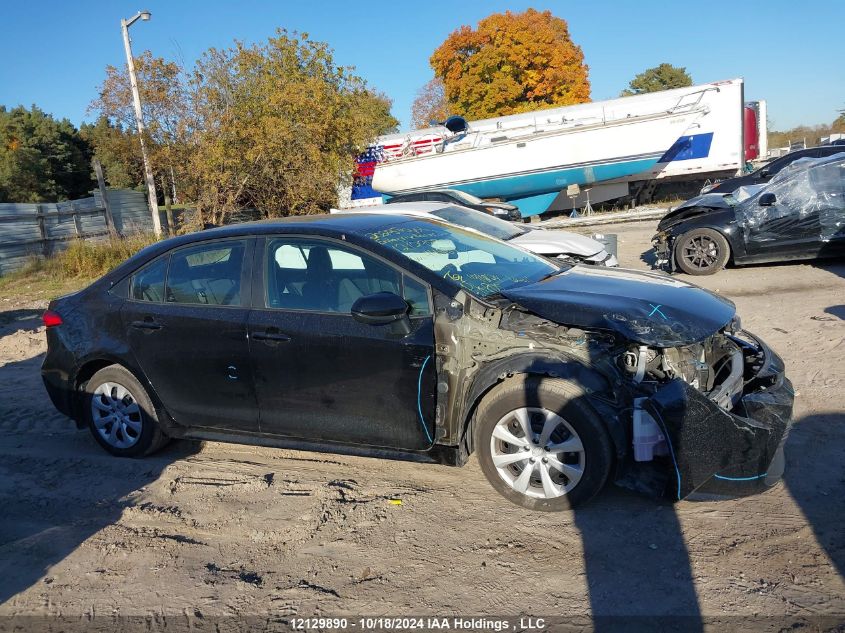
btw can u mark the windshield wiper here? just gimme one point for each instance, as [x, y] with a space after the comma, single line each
[550, 275]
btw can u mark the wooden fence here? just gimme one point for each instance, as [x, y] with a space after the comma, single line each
[28, 230]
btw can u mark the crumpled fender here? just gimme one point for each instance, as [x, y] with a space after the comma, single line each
[600, 390]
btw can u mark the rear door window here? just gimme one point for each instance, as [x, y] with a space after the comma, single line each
[208, 274]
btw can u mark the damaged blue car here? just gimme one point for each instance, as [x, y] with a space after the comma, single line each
[404, 337]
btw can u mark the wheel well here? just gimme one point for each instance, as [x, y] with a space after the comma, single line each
[467, 436]
[585, 376]
[89, 369]
[83, 376]
[467, 440]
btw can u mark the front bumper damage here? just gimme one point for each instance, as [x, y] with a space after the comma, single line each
[602, 258]
[663, 247]
[715, 453]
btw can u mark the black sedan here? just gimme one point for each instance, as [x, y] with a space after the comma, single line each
[771, 169]
[406, 337]
[503, 210]
[800, 214]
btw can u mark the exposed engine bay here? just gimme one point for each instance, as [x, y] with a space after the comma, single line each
[715, 367]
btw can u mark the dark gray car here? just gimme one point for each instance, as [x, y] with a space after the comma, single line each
[768, 171]
[407, 337]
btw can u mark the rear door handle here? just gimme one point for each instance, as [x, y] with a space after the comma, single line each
[146, 325]
[270, 336]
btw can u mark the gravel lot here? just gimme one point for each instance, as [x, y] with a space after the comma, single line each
[203, 530]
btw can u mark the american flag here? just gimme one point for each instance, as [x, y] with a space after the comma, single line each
[368, 160]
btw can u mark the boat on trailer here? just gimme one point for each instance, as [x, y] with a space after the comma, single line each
[527, 159]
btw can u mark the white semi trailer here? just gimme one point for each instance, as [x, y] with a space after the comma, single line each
[732, 134]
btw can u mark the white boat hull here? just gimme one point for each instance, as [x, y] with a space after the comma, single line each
[547, 162]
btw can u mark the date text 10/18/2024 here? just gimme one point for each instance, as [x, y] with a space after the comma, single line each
[419, 623]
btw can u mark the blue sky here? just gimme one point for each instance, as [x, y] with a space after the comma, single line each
[53, 53]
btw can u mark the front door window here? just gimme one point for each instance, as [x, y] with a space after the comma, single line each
[321, 276]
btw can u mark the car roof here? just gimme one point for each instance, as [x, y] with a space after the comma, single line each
[808, 162]
[352, 222]
[358, 224]
[797, 153]
[416, 208]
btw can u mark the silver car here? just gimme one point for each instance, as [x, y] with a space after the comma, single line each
[553, 244]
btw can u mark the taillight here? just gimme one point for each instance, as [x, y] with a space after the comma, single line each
[51, 319]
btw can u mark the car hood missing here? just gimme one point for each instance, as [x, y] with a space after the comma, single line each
[646, 308]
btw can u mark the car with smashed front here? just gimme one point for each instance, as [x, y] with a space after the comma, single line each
[565, 245]
[503, 210]
[407, 337]
[766, 172]
[799, 215]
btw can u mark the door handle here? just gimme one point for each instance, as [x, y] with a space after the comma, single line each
[146, 325]
[270, 336]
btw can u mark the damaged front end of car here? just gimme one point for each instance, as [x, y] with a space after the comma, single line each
[714, 414]
[695, 407]
[663, 245]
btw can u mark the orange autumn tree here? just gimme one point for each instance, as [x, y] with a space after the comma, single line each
[513, 62]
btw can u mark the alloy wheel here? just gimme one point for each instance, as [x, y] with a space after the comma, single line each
[701, 252]
[537, 453]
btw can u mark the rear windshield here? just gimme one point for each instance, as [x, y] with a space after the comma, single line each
[472, 219]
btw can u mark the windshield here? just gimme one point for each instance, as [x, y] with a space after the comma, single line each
[743, 193]
[472, 219]
[479, 264]
[466, 197]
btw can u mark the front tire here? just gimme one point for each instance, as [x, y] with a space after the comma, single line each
[541, 445]
[702, 252]
[120, 415]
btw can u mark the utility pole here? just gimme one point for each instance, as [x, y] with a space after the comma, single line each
[139, 118]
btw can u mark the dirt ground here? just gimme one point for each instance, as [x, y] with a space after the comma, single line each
[205, 530]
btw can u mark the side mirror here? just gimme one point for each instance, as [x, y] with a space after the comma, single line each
[767, 199]
[379, 308]
[765, 173]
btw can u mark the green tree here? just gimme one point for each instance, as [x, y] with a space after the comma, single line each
[662, 77]
[41, 159]
[117, 150]
[278, 126]
[513, 62]
[167, 118]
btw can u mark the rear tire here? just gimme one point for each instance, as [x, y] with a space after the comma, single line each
[702, 252]
[568, 457]
[120, 415]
